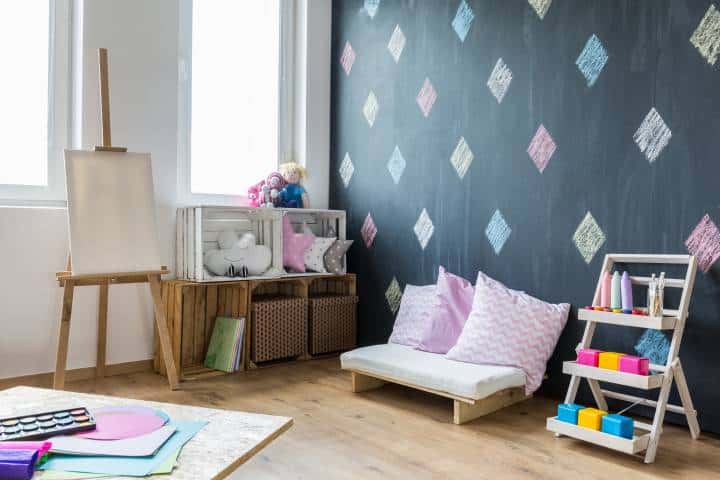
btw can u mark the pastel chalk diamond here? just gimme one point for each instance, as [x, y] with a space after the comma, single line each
[541, 148]
[393, 295]
[426, 97]
[592, 60]
[653, 344]
[463, 20]
[588, 238]
[396, 165]
[461, 158]
[499, 80]
[541, 7]
[370, 108]
[346, 170]
[497, 231]
[368, 231]
[706, 37]
[347, 59]
[704, 243]
[371, 7]
[653, 135]
[396, 43]
[424, 229]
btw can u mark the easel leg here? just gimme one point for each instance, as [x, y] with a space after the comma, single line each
[102, 331]
[63, 336]
[597, 394]
[686, 399]
[657, 424]
[163, 333]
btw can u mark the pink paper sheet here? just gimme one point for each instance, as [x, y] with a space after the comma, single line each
[117, 426]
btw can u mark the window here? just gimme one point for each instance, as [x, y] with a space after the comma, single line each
[235, 95]
[33, 95]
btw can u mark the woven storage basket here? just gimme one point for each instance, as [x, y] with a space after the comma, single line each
[333, 323]
[279, 328]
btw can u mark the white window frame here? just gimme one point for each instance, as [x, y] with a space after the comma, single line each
[59, 132]
[285, 102]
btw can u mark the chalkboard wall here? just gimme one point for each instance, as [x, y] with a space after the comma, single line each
[528, 139]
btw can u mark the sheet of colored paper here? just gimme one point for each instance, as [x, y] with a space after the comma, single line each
[164, 469]
[140, 446]
[130, 409]
[127, 466]
[117, 426]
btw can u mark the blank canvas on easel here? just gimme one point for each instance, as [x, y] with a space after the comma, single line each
[111, 208]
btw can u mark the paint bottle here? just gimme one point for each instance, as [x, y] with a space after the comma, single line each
[605, 290]
[626, 292]
[615, 297]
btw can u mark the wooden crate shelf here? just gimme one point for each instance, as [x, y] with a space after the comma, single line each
[627, 320]
[632, 446]
[645, 382]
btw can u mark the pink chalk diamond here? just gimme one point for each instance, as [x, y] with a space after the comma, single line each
[541, 149]
[368, 231]
[704, 243]
[348, 58]
[426, 97]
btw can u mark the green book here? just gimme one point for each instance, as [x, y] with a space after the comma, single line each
[223, 343]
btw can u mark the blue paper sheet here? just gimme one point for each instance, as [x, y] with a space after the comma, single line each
[127, 466]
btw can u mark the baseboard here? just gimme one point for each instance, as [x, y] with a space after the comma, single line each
[45, 379]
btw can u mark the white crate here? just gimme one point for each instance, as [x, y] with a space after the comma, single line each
[198, 229]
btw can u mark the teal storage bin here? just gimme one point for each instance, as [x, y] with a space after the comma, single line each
[618, 425]
[568, 412]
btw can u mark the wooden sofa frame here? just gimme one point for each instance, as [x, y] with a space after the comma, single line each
[464, 409]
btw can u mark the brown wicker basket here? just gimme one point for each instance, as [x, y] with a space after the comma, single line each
[333, 323]
[279, 328]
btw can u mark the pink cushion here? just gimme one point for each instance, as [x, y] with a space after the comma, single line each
[510, 328]
[294, 246]
[413, 315]
[454, 301]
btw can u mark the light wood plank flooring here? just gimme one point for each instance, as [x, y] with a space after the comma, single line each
[395, 432]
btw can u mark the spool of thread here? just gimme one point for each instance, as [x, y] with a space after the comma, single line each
[615, 300]
[626, 292]
[605, 290]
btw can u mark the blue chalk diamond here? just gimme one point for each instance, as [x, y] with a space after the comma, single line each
[463, 19]
[396, 165]
[592, 60]
[653, 345]
[497, 231]
[371, 7]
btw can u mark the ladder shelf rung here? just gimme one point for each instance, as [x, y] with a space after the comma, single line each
[628, 320]
[645, 382]
[635, 445]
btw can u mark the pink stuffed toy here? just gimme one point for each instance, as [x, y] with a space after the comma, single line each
[274, 183]
[254, 194]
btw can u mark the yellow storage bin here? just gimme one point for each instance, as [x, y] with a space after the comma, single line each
[609, 360]
[590, 418]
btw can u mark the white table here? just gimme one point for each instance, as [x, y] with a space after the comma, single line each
[224, 444]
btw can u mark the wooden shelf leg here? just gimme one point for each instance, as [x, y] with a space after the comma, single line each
[163, 332]
[686, 399]
[657, 424]
[63, 336]
[597, 394]
[102, 331]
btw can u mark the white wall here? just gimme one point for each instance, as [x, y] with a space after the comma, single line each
[142, 39]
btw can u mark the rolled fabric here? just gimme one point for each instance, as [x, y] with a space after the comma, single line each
[605, 290]
[626, 291]
[615, 301]
[17, 464]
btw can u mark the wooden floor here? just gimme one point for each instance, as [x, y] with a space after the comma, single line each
[395, 432]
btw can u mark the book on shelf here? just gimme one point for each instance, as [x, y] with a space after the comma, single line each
[226, 344]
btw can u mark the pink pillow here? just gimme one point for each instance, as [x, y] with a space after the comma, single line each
[454, 302]
[413, 315]
[511, 328]
[294, 246]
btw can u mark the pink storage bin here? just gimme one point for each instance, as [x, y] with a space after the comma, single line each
[588, 356]
[636, 365]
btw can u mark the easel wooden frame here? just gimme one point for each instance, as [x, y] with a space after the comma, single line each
[68, 281]
[662, 378]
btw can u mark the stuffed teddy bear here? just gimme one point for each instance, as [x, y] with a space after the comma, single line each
[254, 195]
[238, 257]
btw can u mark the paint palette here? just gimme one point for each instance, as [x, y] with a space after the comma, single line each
[48, 424]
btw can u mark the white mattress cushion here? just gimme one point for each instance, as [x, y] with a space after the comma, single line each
[432, 370]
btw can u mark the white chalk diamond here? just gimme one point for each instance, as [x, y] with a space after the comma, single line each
[461, 158]
[424, 229]
[588, 237]
[706, 37]
[396, 165]
[346, 170]
[393, 295]
[653, 135]
[397, 43]
[541, 7]
[370, 108]
[499, 80]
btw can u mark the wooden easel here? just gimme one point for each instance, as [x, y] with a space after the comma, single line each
[68, 281]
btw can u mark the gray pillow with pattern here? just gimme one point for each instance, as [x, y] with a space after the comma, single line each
[334, 256]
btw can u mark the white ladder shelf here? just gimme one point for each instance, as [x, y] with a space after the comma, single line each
[661, 376]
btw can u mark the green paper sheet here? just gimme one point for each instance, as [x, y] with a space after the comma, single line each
[163, 469]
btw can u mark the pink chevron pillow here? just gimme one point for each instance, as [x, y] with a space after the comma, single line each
[511, 328]
[413, 315]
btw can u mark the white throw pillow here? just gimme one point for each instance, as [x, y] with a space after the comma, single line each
[413, 317]
[315, 255]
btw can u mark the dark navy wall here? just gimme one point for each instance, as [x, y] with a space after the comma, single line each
[625, 154]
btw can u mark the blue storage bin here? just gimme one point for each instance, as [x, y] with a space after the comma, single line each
[568, 412]
[618, 425]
